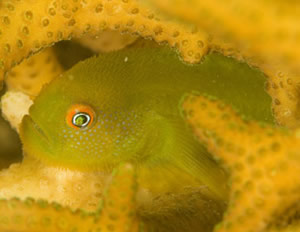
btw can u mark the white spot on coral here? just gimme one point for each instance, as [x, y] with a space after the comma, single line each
[15, 106]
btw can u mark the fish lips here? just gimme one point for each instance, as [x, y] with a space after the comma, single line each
[33, 137]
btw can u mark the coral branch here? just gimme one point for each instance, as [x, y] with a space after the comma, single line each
[264, 32]
[32, 178]
[117, 214]
[14, 105]
[28, 26]
[107, 41]
[264, 163]
[30, 76]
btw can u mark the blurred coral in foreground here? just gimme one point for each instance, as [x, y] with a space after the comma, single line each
[117, 212]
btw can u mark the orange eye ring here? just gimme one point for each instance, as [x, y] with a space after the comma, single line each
[80, 116]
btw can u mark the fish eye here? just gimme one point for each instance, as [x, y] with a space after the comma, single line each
[81, 119]
[80, 116]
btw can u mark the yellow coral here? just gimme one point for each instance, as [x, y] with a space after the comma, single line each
[117, 213]
[264, 32]
[259, 157]
[28, 26]
[14, 105]
[107, 41]
[70, 188]
[263, 161]
[30, 76]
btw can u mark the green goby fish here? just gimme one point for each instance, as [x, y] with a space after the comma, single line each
[124, 107]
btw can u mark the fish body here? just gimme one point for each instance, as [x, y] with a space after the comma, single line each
[124, 107]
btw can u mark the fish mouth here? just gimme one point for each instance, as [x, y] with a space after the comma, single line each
[29, 124]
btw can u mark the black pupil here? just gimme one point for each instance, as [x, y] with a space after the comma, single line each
[81, 120]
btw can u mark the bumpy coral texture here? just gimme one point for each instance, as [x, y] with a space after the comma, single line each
[69, 188]
[263, 161]
[28, 26]
[25, 81]
[117, 212]
[107, 41]
[31, 75]
[263, 32]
